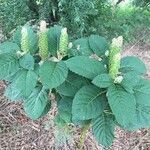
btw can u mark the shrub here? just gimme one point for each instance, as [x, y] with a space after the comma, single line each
[92, 84]
[142, 3]
[74, 14]
[70, 13]
[82, 18]
[14, 13]
[126, 21]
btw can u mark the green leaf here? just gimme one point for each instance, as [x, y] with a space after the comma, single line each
[130, 80]
[53, 74]
[46, 109]
[22, 86]
[142, 92]
[8, 65]
[123, 104]
[98, 44]
[143, 86]
[64, 109]
[102, 81]
[17, 36]
[8, 47]
[32, 38]
[72, 84]
[35, 105]
[141, 120]
[30, 82]
[27, 62]
[13, 77]
[143, 116]
[53, 39]
[59, 121]
[103, 129]
[88, 103]
[85, 66]
[81, 47]
[131, 63]
[13, 94]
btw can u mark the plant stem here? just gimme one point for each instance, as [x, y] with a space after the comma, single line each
[83, 135]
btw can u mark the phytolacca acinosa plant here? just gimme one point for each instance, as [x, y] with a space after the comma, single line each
[94, 86]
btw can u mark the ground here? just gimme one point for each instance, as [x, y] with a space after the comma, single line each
[18, 132]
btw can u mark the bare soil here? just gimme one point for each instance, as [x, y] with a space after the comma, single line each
[18, 132]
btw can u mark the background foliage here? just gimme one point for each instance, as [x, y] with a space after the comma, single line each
[82, 18]
[14, 13]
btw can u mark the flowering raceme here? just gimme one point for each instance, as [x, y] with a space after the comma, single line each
[115, 56]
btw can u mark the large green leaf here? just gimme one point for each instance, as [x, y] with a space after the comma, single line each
[88, 103]
[53, 39]
[22, 86]
[132, 63]
[59, 121]
[36, 103]
[123, 104]
[80, 123]
[17, 36]
[47, 108]
[13, 77]
[8, 47]
[32, 38]
[85, 66]
[143, 86]
[102, 81]
[13, 94]
[72, 84]
[103, 129]
[81, 47]
[53, 74]
[98, 44]
[9, 65]
[27, 62]
[142, 96]
[30, 81]
[142, 92]
[130, 80]
[64, 109]
[143, 116]
[141, 120]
